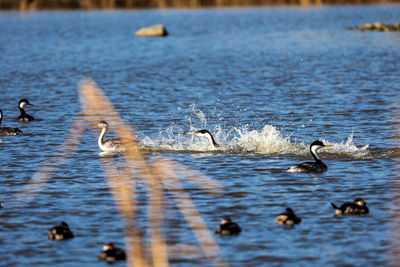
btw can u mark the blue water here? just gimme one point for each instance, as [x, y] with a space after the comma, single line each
[265, 81]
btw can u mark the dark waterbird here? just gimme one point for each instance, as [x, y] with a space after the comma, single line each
[357, 207]
[24, 117]
[227, 227]
[287, 217]
[8, 130]
[60, 232]
[110, 253]
[317, 166]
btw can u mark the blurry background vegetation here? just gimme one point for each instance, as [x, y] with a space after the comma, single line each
[110, 4]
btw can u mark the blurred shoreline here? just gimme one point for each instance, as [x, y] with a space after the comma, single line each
[139, 4]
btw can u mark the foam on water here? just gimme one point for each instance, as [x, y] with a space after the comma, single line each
[347, 148]
[269, 140]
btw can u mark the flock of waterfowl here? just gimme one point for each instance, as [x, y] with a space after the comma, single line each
[288, 217]
[110, 253]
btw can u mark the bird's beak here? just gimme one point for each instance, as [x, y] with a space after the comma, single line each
[96, 124]
[328, 145]
[191, 133]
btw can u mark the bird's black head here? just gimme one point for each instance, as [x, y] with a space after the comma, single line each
[289, 210]
[226, 219]
[64, 224]
[203, 132]
[108, 246]
[359, 201]
[317, 143]
[23, 102]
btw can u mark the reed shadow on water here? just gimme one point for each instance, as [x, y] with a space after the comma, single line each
[159, 174]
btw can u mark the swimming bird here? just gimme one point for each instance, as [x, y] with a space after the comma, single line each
[113, 145]
[227, 227]
[287, 217]
[24, 117]
[207, 134]
[8, 130]
[110, 253]
[357, 207]
[317, 166]
[60, 232]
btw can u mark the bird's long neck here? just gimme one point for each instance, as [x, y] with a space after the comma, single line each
[314, 153]
[1, 118]
[22, 110]
[101, 136]
[211, 138]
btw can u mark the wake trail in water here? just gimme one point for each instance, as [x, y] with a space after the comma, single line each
[267, 141]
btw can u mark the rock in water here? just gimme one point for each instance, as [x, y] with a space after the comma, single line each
[153, 31]
[377, 26]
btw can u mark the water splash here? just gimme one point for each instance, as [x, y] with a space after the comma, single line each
[347, 148]
[268, 141]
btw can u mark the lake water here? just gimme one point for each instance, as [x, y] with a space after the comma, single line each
[265, 81]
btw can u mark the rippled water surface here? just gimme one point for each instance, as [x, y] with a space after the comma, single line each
[265, 81]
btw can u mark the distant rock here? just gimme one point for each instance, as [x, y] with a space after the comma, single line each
[377, 26]
[153, 31]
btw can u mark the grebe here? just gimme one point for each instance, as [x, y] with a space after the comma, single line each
[113, 145]
[287, 217]
[357, 207]
[207, 134]
[24, 117]
[110, 253]
[317, 166]
[227, 227]
[8, 130]
[60, 232]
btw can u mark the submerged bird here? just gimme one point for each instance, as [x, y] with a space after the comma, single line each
[227, 227]
[8, 130]
[110, 253]
[317, 166]
[287, 217]
[357, 207]
[207, 134]
[60, 232]
[24, 117]
[112, 145]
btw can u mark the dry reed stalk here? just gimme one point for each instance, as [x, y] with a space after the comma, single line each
[96, 106]
[39, 180]
[189, 211]
[161, 173]
[122, 182]
[156, 208]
